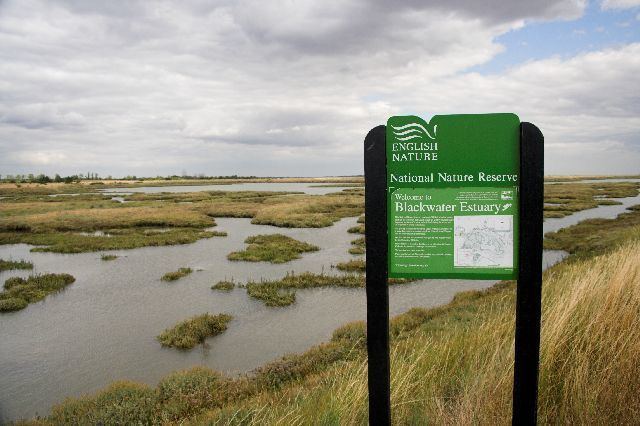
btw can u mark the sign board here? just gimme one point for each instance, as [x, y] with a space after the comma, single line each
[452, 196]
[458, 196]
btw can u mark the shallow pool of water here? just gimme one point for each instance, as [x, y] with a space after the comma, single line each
[102, 328]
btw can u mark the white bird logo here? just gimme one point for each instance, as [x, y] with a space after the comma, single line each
[412, 131]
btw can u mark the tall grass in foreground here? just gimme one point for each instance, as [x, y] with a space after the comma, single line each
[458, 370]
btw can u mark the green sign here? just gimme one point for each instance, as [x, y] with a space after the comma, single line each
[453, 196]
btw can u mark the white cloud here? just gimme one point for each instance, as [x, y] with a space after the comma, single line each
[619, 4]
[273, 88]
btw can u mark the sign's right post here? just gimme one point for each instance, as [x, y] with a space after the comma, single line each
[529, 289]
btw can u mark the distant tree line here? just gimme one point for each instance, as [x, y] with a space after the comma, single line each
[44, 179]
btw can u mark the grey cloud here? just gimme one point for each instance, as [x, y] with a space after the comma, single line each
[265, 88]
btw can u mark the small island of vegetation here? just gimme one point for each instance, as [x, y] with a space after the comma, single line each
[274, 248]
[19, 292]
[281, 292]
[176, 275]
[356, 265]
[190, 332]
[223, 285]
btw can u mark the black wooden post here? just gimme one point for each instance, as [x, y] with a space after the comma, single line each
[375, 180]
[529, 291]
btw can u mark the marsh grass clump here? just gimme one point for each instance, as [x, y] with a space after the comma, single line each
[7, 265]
[176, 275]
[282, 292]
[270, 294]
[359, 246]
[358, 265]
[224, 285]
[358, 229]
[189, 333]
[108, 257]
[19, 292]
[274, 248]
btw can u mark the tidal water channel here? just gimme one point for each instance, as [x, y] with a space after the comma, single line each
[102, 328]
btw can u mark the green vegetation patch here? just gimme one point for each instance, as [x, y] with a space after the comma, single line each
[7, 265]
[108, 257]
[223, 285]
[358, 265]
[274, 248]
[594, 236]
[19, 292]
[176, 275]
[191, 332]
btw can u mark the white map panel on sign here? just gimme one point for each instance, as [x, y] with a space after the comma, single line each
[483, 241]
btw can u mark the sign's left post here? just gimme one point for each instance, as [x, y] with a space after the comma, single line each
[375, 179]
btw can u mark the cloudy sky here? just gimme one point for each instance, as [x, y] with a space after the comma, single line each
[290, 88]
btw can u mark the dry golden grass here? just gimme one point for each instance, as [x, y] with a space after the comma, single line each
[309, 211]
[458, 370]
[106, 218]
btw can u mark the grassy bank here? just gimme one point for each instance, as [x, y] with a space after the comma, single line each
[596, 235]
[176, 275]
[193, 331]
[19, 292]
[274, 248]
[7, 265]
